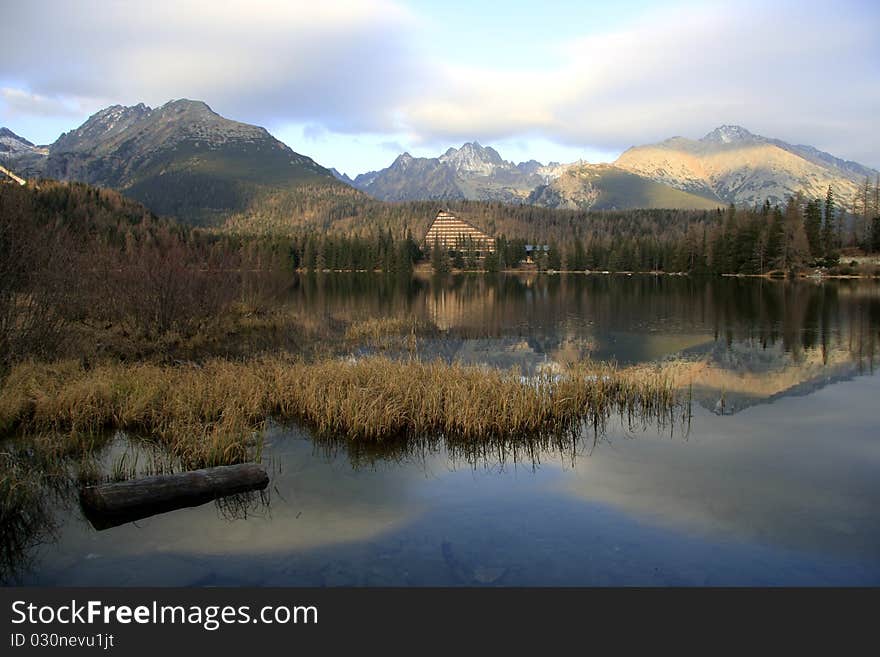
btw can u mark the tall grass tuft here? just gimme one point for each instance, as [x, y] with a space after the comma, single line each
[214, 413]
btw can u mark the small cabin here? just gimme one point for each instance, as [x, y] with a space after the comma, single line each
[534, 250]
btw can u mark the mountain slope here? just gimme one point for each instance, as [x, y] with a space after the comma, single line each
[20, 155]
[732, 165]
[182, 160]
[411, 178]
[606, 187]
[12, 143]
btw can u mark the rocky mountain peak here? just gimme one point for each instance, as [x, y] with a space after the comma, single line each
[181, 159]
[341, 177]
[6, 133]
[187, 106]
[100, 126]
[473, 158]
[729, 134]
[402, 160]
[116, 113]
[530, 167]
[12, 143]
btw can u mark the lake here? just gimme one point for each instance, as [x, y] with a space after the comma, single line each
[775, 481]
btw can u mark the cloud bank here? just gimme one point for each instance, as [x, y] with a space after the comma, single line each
[340, 63]
[800, 72]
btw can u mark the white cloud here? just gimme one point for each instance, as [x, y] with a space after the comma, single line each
[340, 62]
[16, 102]
[678, 72]
[804, 73]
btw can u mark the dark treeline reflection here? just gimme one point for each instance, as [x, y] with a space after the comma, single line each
[741, 341]
[800, 315]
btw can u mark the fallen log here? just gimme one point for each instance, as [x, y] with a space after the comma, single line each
[110, 505]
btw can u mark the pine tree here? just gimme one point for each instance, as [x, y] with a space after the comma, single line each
[795, 247]
[775, 236]
[554, 258]
[578, 259]
[403, 264]
[415, 253]
[309, 254]
[861, 210]
[876, 203]
[439, 258]
[321, 256]
[875, 235]
[829, 231]
[813, 227]
[491, 262]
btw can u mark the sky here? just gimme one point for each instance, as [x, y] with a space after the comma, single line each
[355, 83]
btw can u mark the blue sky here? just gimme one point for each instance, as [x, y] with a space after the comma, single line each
[354, 83]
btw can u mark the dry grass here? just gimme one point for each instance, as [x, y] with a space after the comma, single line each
[205, 415]
[214, 413]
[377, 330]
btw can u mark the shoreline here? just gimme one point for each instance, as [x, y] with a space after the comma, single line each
[423, 272]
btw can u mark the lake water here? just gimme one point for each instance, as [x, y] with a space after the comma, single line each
[776, 481]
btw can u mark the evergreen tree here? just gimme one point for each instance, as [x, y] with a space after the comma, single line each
[403, 263]
[775, 237]
[309, 254]
[554, 258]
[578, 259]
[875, 234]
[439, 258]
[491, 263]
[875, 206]
[795, 248]
[813, 227]
[320, 255]
[862, 211]
[415, 253]
[829, 231]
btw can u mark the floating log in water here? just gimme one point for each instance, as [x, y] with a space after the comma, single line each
[110, 505]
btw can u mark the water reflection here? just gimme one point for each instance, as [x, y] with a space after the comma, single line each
[777, 486]
[34, 491]
[799, 474]
[778, 494]
[738, 341]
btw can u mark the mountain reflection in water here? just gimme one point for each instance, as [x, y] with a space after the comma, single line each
[775, 481]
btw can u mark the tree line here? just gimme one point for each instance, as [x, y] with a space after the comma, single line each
[75, 254]
[75, 260]
[768, 238]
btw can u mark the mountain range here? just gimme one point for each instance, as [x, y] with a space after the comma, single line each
[728, 165]
[181, 159]
[470, 172]
[184, 160]
[733, 165]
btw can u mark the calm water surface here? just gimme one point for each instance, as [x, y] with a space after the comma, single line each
[777, 480]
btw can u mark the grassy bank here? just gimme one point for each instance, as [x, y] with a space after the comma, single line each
[214, 413]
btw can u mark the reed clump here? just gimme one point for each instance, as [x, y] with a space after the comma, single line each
[378, 330]
[214, 413]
